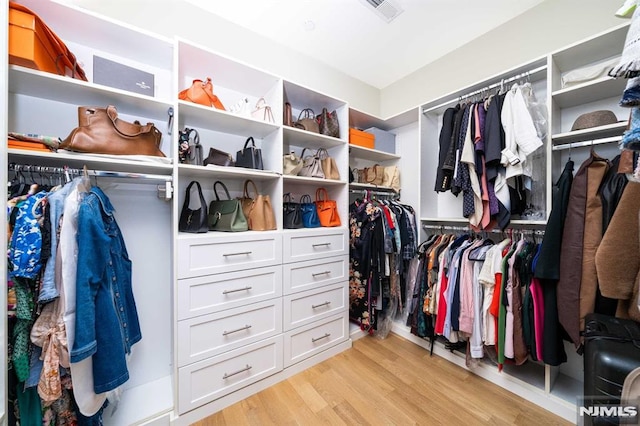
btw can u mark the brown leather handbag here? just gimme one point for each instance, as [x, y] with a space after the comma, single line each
[201, 92]
[100, 131]
[374, 175]
[257, 209]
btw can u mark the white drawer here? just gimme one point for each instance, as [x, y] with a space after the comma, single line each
[312, 305]
[318, 243]
[306, 341]
[206, 254]
[209, 335]
[301, 276]
[213, 378]
[213, 293]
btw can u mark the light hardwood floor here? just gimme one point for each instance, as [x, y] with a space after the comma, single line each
[384, 382]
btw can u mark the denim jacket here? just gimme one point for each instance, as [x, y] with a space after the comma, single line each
[106, 316]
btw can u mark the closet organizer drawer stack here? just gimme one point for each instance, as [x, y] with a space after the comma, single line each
[315, 269]
[230, 321]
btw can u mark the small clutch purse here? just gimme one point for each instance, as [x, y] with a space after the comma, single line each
[218, 158]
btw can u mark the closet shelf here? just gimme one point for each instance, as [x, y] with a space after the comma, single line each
[221, 172]
[202, 117]
[368, 186]
[587, 143]
[591, 91]
[312, 180]
[26, 81]
[92, 161]
[371, 154]
[615, 129]
[567, 389]
[305, 139]
[221, 234]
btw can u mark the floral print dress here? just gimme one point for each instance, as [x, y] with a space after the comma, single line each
[366, 262]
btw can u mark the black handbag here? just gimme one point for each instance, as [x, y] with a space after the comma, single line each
[250, 157]
[292, 214]
[193, 221]
[190, 152]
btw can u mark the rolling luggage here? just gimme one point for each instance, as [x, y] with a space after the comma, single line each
[611, 351]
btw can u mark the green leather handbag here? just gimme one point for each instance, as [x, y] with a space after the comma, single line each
[226, 215]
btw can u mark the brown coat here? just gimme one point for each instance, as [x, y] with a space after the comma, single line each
[592, 238]
[617, 259]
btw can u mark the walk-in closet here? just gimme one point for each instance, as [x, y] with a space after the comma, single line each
[289, 229]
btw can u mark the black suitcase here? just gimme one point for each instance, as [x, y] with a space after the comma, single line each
[611, 351]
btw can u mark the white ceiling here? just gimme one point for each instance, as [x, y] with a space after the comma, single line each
[349, 36]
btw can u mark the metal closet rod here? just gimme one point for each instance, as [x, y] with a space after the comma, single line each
[484, 89]
[466, 228]
[372, 192]
[65, 170]
[586, 143]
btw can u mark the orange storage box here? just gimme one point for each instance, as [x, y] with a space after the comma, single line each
[360, 138]
[28, 44]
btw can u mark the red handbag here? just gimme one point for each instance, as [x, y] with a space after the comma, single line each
[201, 92]
[327, 209]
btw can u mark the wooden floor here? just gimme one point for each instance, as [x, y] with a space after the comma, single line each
[384, 382]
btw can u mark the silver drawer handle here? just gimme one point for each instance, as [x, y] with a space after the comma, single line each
[247, 288]
[320, 305]
[320, 338]
[246, 327]
[321, 273]
[227, 375]
[320, 245]
[242, 253]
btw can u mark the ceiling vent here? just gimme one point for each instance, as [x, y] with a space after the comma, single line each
[387, 10]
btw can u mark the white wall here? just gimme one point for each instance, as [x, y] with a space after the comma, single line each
[551, 25]
[175, 17]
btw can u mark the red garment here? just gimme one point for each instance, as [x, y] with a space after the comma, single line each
[442, 306]
[538, 315]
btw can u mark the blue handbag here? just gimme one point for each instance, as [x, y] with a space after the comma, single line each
[310, 217]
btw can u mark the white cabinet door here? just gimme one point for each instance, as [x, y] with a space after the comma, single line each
[301, 276]
[309, 340]
[213, 378]
[209, 335]
[213, 293]
[309, 245]
[309, 306]
[206, 254]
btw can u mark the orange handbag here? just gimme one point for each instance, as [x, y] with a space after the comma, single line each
[327, 209]
[201, 92]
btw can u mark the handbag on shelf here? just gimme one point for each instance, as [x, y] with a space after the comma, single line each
[100, 131]
[311, 166]
[392, 177]
[257, 209]
[291, 213]
[241, 108]
[309, 211]
[374, 175]
[291, 164]
[250, 156]
[307, 121]
[287, 118]
[327, 209]
[189, 152]
[201, 92]
[328, 163]
[226, 215]
[263, 112]
[193, 220]
[328, 123]
[218, 158]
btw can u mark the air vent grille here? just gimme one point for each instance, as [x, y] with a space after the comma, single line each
[386, 9]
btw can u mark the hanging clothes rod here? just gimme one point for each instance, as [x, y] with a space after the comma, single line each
[586, 143]
[467, 229]
[373, 192]
[502, 82]
[67, 171]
